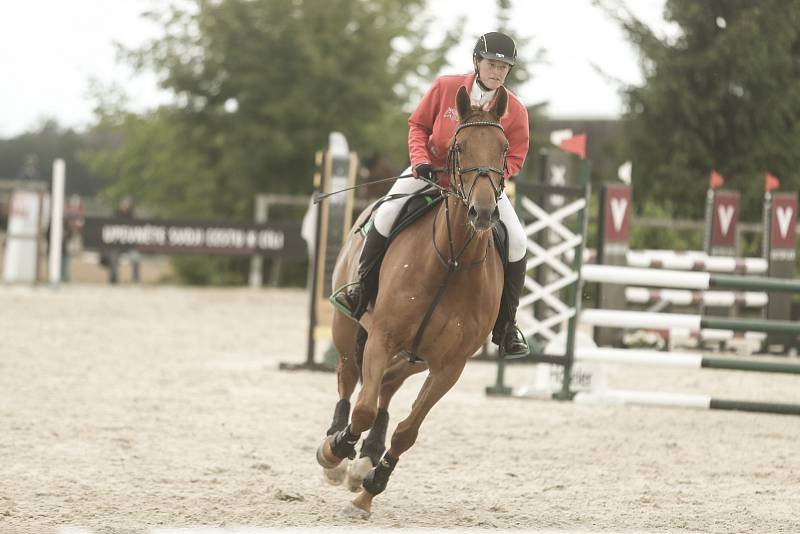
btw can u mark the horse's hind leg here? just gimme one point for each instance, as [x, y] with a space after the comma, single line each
[347, 374]
[435, 386]
[374, 445]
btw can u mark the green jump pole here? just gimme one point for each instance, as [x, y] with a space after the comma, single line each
[753, 283]
[755, 406]
[749, 365]
[575, 289]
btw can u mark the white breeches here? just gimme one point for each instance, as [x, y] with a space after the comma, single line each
[388, 211]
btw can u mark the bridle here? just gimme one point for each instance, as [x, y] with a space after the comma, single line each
[457, 189]
[453, 166]
[452, 263]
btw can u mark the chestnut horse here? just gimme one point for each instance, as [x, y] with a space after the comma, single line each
[443, 271]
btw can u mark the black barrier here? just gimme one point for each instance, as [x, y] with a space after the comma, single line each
[195, 237]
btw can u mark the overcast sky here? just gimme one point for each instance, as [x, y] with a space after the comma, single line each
[51, 49]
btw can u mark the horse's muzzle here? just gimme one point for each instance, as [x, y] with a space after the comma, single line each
[483, 218]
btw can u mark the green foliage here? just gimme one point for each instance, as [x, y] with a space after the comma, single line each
[259, 85]
[160, 165]
[32, 154]
[724, 94]
[663, 237]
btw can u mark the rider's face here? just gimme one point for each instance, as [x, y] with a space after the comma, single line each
[493, 73]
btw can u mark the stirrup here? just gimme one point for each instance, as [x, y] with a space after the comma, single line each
[513, 355]
[337, 303]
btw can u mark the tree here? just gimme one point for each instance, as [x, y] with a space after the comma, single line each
[32, 153]
[259, 84]
[724, 94]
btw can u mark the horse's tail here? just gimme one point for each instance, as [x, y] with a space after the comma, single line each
[361, 341]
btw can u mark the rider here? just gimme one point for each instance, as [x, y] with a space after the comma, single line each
[431, 127]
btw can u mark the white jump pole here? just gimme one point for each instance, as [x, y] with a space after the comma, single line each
[609, 274]
[638, 356]
[633, 319]
[644, 398]
[57, 220]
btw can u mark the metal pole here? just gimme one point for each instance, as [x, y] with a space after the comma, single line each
[57, 220]
[575, 289]
[499, 387]
[257, 262]
[753, 283]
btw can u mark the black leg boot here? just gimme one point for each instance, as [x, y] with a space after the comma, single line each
[353, 299]
[504, 330]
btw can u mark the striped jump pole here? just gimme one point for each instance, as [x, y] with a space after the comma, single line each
[611, 274]
[634, 319]
[684, 297]
[713, 334]
[647, 398]
[697, 262]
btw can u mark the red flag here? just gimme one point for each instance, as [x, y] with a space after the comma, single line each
[575, 144]
[716, 180]
[771, 182]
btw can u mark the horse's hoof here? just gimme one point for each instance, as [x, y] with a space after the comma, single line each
[352, 511]
[321, 460]
[336, 476]
[356, 472]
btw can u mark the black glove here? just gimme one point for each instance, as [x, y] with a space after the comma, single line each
[426, 172]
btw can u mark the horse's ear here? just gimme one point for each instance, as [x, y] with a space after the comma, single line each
[500, 103]
[463, 104]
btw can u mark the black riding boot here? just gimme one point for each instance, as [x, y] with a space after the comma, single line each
[504, 330]
[354, 299]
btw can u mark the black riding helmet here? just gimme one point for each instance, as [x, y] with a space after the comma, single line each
[495, 45]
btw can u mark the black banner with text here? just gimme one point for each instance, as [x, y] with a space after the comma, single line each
[195, 237]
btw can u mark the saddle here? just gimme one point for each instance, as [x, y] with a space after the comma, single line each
[419, 204]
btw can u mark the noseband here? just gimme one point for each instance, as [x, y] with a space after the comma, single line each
[453, 165]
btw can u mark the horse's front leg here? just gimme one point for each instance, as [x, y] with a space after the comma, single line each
[436, 385]
[374, 445]
[342, 444]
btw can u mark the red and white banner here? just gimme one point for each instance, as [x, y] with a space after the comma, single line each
[618, 212]
[784, 221]
[724, 218]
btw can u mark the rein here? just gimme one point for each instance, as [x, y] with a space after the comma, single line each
[452, 265]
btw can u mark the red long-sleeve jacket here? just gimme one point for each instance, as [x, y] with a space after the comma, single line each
[431, 126]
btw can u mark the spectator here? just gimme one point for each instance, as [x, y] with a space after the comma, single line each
[73, 223]
[125, 210]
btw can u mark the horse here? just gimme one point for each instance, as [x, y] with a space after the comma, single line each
[439, 293]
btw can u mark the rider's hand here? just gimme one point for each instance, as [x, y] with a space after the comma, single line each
[425, 171]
